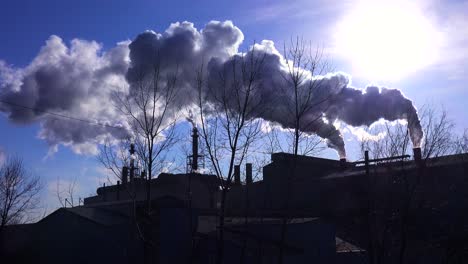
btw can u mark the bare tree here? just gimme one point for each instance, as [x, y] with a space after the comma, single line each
[114, 155]
[278, 139]
[461, 143]
[228, 128]
[390, 209]
[438, 129]
[149, 111]
[393, 141]
[19, 192]
[304, 64]
[66, 194]
[438, 136]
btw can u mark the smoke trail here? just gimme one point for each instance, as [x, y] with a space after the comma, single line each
[333, 99]
[79, 79]
[358, 107]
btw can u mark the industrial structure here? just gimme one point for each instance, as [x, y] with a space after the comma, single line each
[335, 212]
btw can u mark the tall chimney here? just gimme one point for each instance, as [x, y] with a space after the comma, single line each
[248, 173]
[104, 191]
[124, 175]
[132, 162]
[236, 174]
[417, 154]
[118, 190]
[194, 149]
[343, 163]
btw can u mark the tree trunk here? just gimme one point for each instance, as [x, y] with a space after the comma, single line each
[220, 251]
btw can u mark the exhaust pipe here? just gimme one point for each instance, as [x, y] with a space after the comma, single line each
[343, 164]
[237, 180]
[417, 154]
[248, 173]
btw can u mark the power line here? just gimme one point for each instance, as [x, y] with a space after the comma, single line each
[95, 122]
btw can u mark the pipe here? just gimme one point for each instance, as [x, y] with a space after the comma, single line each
[237, 175]
[248, 173]
[132, 162]
[124, 175]
[417, 154]
[118, 190]
[195, 150]
[343, 163]
[104, 191]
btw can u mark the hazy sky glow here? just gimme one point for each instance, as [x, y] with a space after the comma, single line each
[388, 40]
[419, 47]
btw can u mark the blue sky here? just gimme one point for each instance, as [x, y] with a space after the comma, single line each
[26, 25]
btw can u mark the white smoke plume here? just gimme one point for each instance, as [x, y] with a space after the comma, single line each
[2, 157]
[75, 81]
[78, 80]
[333, 100]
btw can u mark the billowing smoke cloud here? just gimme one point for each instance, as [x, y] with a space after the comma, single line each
[182, 49]
[2, 156]
[274, 98]
[79, 80]
[333, 99]
[358, 107]
[74, 81]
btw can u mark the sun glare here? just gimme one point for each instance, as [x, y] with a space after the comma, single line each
[386, 41]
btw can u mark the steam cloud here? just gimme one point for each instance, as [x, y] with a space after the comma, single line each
[2, 157]
[78, 81]
[75, 81]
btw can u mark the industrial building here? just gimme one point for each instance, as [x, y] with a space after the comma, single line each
[411, 209]
[375, 211]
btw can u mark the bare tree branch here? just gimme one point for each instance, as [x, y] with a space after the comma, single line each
[19, 192]
[228, 129]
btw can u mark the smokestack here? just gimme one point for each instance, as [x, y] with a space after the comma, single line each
[132, 162]
[417, 154]
[132, 149]
[118, 190]
[194, 149]
[343, 163]
[124, 175]
[132, 171]
[248, 173]
[236, 174]
[104, 191]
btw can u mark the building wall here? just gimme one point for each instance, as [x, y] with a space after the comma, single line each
[203, 188]
[64, 237]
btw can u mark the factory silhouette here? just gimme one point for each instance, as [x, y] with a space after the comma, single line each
[371, 211]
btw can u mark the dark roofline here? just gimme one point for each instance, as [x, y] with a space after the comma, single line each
[281, 156]
[86, 218]
[448, 160]
[63, 209]
[157, 180]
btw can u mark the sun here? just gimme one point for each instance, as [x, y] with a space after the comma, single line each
[387, 40]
